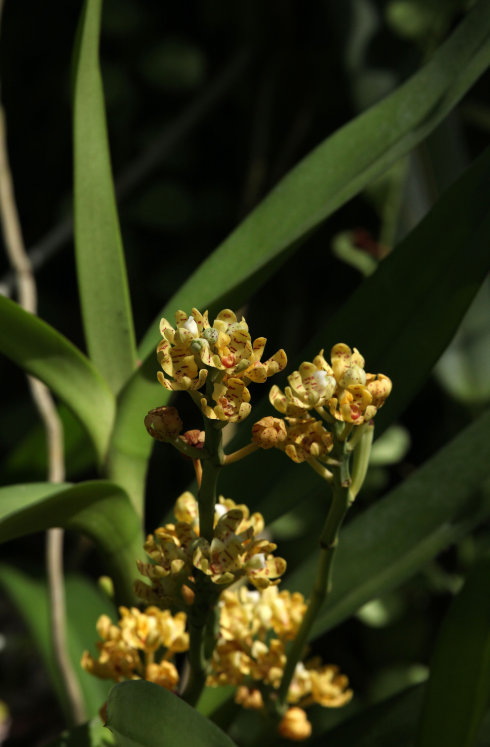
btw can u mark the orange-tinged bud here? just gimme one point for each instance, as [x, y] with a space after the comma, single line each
[295, 725]
[163, 423]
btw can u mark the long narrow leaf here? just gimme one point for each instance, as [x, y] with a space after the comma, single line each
[43, 352]
[333, 173]
[101, 269]
[401, 318]
[99, 509]
[390, 541]
[458, 691]
[142, 714]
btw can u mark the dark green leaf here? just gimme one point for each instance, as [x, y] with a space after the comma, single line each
[142, 714]
[92, 734]
[390, 541]
[101, 269]
[84, 604]
[333, 173]
[458, 691]
[43, 352]
[99, 509]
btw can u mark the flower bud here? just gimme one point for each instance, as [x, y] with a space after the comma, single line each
[269, 432]
[194, 438]
[295, 725]
[163, 423]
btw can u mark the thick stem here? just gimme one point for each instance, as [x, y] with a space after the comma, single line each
[201, 619]
[328, 545]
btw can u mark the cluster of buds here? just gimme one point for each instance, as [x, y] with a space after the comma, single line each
[235, 552]
[127, 650]
[340, 392]
[193, 349]
[250, 654]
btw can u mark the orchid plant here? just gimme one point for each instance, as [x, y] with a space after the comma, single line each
[214, 623]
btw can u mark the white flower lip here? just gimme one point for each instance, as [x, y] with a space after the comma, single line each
[191, 325]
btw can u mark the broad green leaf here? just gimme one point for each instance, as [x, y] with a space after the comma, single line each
[401, 318]
[458, 691]
[84, 604]
[91, 734]
[99, 509]
[389, 542]
[101, 270]
[142, 714]
[43, 352]
[335, 171]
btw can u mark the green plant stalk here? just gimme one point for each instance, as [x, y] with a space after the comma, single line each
[323, 581]
[202, 616]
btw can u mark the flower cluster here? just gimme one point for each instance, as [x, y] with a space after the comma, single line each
[250, 654]
[127, 650]
[189, 352]
[342, 391]
[235, 552]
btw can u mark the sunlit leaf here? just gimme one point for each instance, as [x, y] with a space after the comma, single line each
[43, 352]
[101, 270]
[99, 509]
[334, 172]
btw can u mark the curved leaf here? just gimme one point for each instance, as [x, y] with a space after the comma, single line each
[98, 509]
[84, 604]
[458, 691]
[401, 318]
[43, 352]
[142, 714]
[390, 541]
[334, 172]
[101, 270]
[339, 168]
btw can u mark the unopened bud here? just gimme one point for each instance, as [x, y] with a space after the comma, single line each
[269, 432]
[163, 423]
[295, 725]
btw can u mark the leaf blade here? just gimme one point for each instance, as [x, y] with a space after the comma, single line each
[100, 509]
[141, 713]
[458, 690]
[102, 279]
[43, 352]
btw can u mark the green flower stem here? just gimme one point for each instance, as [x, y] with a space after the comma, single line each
[211, 467]
[201, 616]
[328, 545]
[186, 449]
[360, 460]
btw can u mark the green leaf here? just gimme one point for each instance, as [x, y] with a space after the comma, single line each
[385, 724]
[339, 168]
[102, 280]
[84, 604]
[98, 508]
[390, 541]
[142, 714]
[335, 171]
[458, 691]
[43, 352]
[400, 318]
[91, 734]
